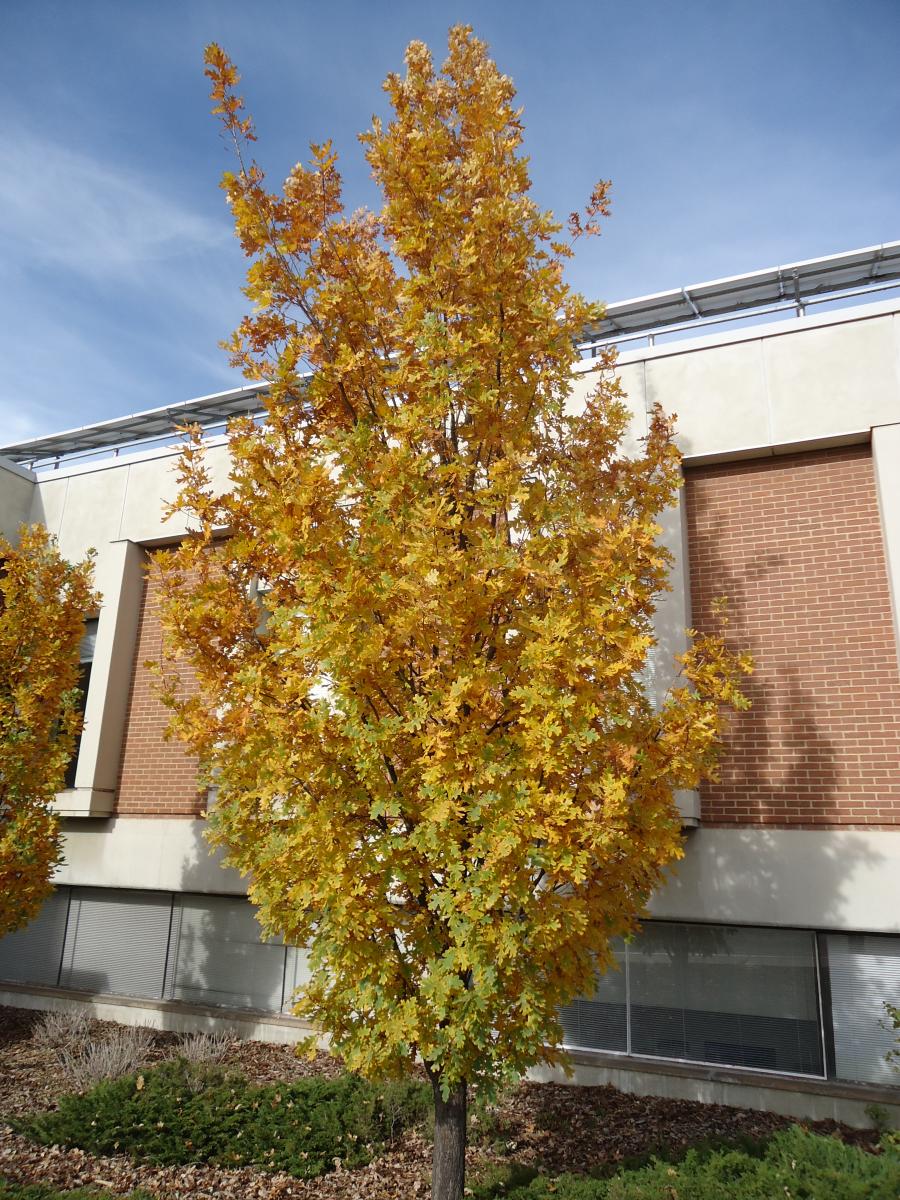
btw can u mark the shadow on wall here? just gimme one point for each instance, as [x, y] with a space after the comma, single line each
[217, 954]
[779, 766]
[745, 876]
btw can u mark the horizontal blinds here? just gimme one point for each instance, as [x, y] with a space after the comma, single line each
[732, 995]
[296, 974]
[220, 957]
[599, 1021]
[864, 972]
[33, 954]
[724, 994]
[89, 640]
[116, 942]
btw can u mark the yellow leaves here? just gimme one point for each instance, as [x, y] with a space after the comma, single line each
[43, 603]
[439, 766]
[224, 78]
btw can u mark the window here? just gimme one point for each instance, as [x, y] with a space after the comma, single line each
[600, 1021]
[863, 971]
[116, 942]
[219, 956]
[724, 994]
[708, 993]
[32, 954]
[86, 659]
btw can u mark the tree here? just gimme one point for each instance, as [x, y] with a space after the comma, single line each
[43, 602]
[419, 650]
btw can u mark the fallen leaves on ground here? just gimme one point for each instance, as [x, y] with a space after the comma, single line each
[550, 1127]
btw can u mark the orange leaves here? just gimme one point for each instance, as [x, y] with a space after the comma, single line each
[439, 764]
[598, 206]
[224, 77]
[43, 602]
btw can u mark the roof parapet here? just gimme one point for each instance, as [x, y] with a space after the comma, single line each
[848, 276]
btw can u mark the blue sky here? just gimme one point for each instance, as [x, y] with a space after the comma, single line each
[737, 135]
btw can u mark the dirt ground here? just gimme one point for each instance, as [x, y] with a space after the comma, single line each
[550, 1127]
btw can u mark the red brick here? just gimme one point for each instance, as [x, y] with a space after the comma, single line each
[796, 545]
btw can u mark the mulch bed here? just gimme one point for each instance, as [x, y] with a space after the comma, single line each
[548, 1126]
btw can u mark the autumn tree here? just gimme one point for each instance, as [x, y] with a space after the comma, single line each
[43, 602]
[420, 648]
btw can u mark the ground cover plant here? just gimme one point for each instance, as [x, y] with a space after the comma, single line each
[794, 1163]
[182, 1112]
[39, 1191]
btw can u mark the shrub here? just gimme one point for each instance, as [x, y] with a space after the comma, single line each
[85, 1053]
[206, 1047]
[403, 1104]
[122, 1051]
[179, 1113]
[40, 1191]
[70, 1030]
[795, 1164]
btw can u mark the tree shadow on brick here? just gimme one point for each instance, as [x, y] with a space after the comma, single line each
[778, 767]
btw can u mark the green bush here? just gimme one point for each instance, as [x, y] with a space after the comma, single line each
[795, 1164]
[179, 1113]
[40, 1191]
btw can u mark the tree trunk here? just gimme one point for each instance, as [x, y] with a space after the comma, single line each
[448, 1173]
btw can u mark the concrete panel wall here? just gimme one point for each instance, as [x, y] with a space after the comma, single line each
[119, 580]
[831, 380]
[159, 854]
[93, 505]
[817, 879]
[822, 879]
[586, 378]
[17, 487]
[790, 1099]
[758, 390]
[719, 397]
[172, 1016]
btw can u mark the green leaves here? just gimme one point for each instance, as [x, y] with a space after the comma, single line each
[473, 792]
[179, 1113]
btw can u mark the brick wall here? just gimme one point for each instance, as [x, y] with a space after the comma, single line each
[795, 543]
[157, 777]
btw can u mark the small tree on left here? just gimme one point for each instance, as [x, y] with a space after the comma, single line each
[43, 602]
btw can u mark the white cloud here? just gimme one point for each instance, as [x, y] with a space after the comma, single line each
[66, 208]
[20, 424]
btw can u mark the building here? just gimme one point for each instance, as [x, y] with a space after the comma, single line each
[761, 971]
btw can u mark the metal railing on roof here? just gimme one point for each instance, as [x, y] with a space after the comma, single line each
[589, 348]
[794, 285]
[153, 426]
[850, 276]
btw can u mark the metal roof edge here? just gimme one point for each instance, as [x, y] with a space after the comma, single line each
[660, 311]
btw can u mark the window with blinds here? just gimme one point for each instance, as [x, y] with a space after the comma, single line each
[712, 994]
[600, 1021]
[736, 996]
[116, 942]
[32, 954]
[218, 955]
[863, 972]
[296, 973]
[723, 994]
[86, 660]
